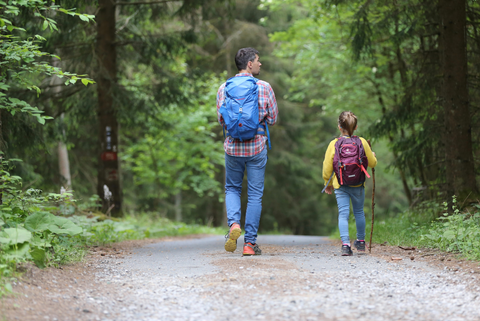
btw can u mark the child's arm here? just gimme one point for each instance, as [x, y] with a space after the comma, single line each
[372, 159]
[328, 165]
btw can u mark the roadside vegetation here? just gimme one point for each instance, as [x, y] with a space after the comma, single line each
[430, 225]
[54, 229]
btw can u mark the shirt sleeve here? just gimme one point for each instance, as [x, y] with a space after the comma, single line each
[328, 162]
[220, 99]
[372, 160]
[272, 108]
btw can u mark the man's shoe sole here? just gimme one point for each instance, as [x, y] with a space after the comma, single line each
[248, 254]
[231, 243]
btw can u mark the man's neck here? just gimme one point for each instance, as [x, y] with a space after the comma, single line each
[244, 71]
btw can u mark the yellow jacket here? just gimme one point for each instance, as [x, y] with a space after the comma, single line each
[328, 162]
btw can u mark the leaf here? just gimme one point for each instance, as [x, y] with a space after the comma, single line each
[19, 252]
[45, 25]
[62, 225]
[38, 256]
[84, 81]
[449, 235]
[39, 222]
[41, 120]
[83, 18]
[122, 227]
[8, 287]
[14, 236]
[40, 242]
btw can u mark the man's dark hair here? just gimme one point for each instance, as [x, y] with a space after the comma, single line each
[243, 56]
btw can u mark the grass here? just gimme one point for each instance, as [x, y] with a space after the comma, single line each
[430, 226]
[403, 229]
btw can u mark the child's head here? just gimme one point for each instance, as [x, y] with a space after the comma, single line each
[347, 122]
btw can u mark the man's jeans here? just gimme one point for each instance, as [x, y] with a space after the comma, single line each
[344, 194]
[235, 168]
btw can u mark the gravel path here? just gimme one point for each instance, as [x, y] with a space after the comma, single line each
[296, 278]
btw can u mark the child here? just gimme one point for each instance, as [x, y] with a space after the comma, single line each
[347, 124]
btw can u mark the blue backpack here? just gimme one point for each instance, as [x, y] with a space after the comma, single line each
[240, 109]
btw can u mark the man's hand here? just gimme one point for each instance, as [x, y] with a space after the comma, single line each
[329, 189]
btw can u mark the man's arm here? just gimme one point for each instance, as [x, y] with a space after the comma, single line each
[272, 108]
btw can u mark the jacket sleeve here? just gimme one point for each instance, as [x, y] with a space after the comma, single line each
[372, 160]
[328, 162]
[272, 108]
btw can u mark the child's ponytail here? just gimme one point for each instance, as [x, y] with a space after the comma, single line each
[347, 121]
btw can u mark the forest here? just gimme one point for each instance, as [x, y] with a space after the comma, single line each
[113, 102]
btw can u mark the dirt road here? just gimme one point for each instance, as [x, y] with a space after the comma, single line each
[296, 278]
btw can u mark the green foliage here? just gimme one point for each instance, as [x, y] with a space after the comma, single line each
[22, 58]
[458, 232]
[30, 233]
[169, 68]
[398, 229]
[378, 59]
[177, 150]
[14, 236]
[27, 232]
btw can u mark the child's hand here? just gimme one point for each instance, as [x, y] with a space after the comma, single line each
[328, 190]
[374, 154]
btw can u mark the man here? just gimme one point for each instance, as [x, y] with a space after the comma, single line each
[248, 154]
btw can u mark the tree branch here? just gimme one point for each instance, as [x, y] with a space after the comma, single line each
[126, 3]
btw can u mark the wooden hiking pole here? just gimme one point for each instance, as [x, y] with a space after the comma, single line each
[373, 204]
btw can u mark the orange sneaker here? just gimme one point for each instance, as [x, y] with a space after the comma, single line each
[251, 249]
[232, 236]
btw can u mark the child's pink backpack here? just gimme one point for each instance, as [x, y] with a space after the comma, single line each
[350, 161]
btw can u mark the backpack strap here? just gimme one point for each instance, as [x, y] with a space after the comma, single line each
[265, 132]
[340, 166]
[260, 131]
[361, 149]
[364, 170]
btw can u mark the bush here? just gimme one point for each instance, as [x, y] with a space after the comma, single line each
[458, 232]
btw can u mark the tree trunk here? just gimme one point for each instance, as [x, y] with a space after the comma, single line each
[460, 174]
[63, 162]
[1, 157]
[178, 206]
[64, 165]
[108, 169]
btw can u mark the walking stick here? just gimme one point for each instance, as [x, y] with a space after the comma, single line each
[373, 204]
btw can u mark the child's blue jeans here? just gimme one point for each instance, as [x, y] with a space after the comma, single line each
[235, 169]
[357, 195]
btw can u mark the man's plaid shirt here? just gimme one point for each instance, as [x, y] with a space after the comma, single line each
[267, 110]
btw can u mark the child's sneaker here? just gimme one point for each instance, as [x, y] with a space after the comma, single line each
[360, 245]
[346, 250]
